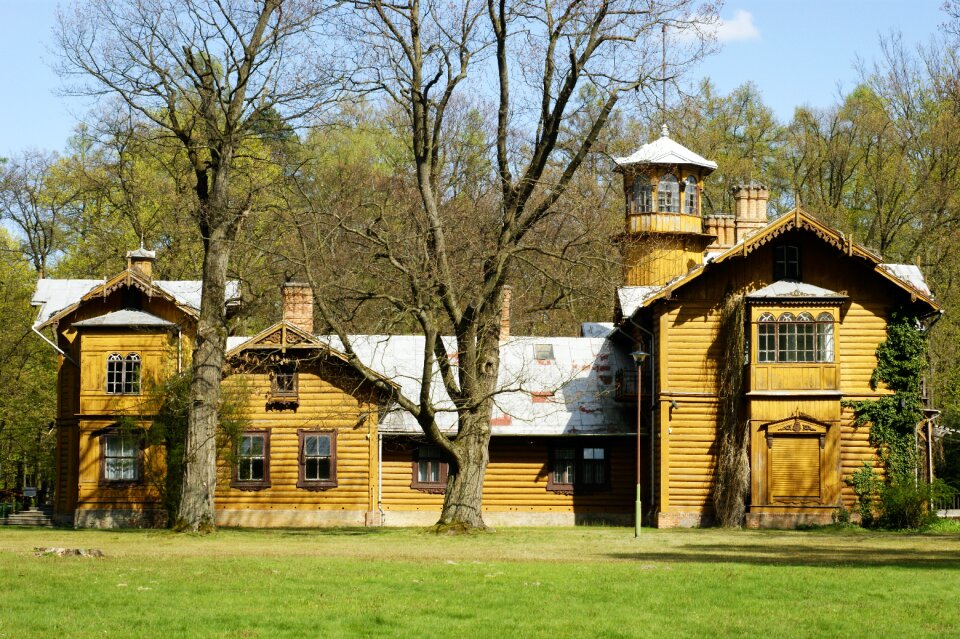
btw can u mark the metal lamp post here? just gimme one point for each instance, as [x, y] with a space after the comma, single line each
[639, 356]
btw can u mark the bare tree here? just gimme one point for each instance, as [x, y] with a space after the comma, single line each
[207, 72]
[544, 79]
[36, 198]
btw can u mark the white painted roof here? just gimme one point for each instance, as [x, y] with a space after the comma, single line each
[910, 275]
[794, 289]
[596, 329]
[665, 151]
[632, 297]
[52, 296]
[126, 317]
[572, 393]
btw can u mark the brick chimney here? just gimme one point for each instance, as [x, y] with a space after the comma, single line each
[751, 208]
[142, 261]
[723, 228]
[298, 305]
[505, 313]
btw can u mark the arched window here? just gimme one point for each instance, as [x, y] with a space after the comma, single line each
[691, 199]
[766, 338]
[825, 337]
[123, 374]
[642, 194]
[795, 338]
[668, 194]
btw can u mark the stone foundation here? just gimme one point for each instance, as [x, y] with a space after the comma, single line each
[684, 520]
[275, 518]
[118, 518]
[820, 517]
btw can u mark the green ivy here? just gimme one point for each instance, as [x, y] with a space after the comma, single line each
[901, 361]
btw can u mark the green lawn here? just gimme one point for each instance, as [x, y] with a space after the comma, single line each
[571, 582]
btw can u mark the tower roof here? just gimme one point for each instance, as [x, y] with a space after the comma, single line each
[665, 151]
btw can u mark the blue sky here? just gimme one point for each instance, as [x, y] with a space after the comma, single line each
[798, 52]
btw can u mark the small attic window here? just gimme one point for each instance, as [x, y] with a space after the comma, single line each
[668, 194]
[543, 352]
[786, 262]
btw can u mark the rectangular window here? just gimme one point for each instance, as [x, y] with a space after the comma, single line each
[121, 457]
[318, 459]
[429, 470]
[123, 374]
[543, 352]
[253, 461]
[786, 262]
[573, 469]
[283, 382]
[793, 338]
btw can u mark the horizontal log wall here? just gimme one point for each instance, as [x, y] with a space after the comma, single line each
[516, 478]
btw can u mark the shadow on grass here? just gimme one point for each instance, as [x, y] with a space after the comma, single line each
[802, 555]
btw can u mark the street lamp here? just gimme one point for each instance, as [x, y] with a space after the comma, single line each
[639, 356]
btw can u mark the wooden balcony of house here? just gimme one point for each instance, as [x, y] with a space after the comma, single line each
[664, 223]
[625, 386]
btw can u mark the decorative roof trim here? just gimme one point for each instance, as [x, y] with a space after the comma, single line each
[797, 218]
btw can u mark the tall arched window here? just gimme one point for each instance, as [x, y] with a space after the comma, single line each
[668, 194]
[642, 194]
[824, 337]
[795, 338]
[691, 198]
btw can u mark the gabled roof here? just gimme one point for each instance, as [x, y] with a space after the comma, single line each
[665, 151]
[907, 277]
[126, 317]
[57, 298]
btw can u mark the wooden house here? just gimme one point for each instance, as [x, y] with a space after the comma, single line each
[573, 439]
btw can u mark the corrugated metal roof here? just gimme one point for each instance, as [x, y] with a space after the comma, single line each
[571, 393]
[794, 289]
[52, 296]
[126, 317]
[632, 297]
[910, 275]
[665, 151]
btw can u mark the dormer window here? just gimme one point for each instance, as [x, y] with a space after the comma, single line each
[668, 194]
[691, 198]
[786, 262]
[642, 194]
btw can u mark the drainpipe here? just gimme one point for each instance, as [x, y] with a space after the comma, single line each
[380, 476]
[653, 404]
[179, 350]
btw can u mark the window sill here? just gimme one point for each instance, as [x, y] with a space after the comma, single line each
[576, 489]
[250, 485]
[119, 483]
[430, 488]
[317, 485]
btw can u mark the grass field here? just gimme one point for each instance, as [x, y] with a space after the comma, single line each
[572, 582]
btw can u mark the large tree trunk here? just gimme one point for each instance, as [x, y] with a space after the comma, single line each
[463, 499]
[219, 228]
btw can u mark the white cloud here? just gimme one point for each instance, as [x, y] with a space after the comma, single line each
[740, 27]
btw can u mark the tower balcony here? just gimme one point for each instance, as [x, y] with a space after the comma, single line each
[664, 223]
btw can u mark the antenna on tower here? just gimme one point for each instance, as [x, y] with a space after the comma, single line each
[663, 78]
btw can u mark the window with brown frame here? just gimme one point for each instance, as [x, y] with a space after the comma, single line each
[786, 262]
[430, 470]
[252, 470]
[123, 374]
[578, 469]
[284, 382]
[318, 459]
[121, 458]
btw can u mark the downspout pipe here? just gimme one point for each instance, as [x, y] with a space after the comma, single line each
[653, 404]
[380, 476]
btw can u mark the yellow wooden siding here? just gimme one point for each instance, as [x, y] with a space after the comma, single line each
[691, 457]
[516, 478]
[158, 359]
[322, 405]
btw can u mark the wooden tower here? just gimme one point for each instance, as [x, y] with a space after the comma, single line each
[664, 232]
